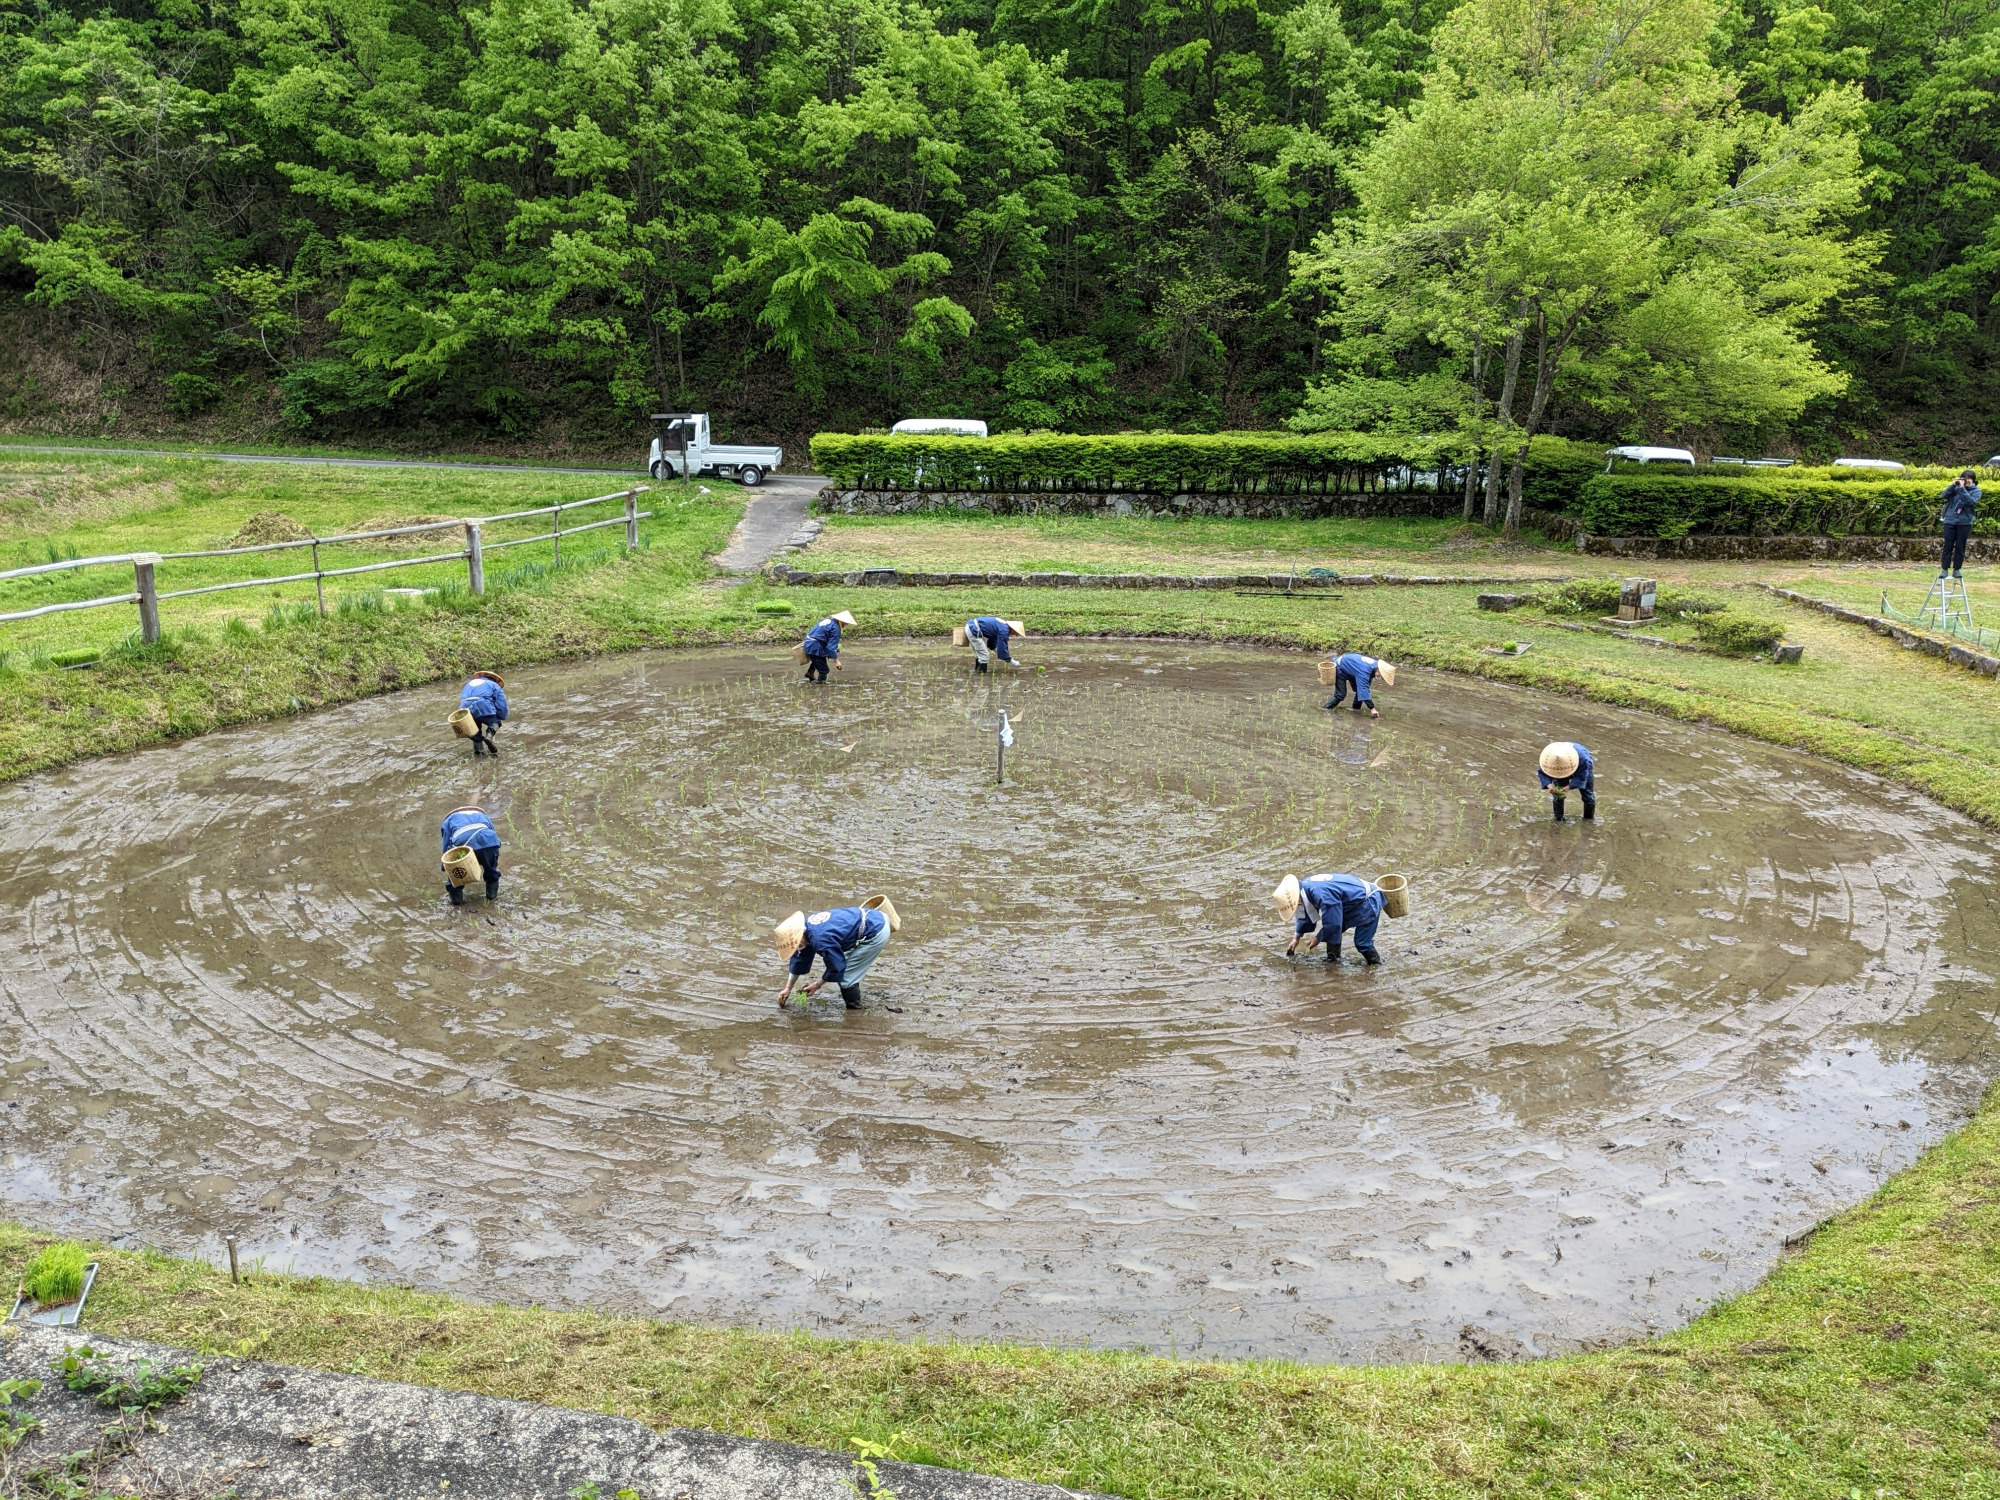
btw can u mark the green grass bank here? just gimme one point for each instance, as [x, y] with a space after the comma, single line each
[1865, 1365]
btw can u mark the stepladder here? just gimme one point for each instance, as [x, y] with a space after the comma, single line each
[1946, 606]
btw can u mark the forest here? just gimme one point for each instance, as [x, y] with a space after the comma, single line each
[1722, 222]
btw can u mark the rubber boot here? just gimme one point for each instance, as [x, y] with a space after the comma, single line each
[1331, 704]
[1559, 808]
[457, 895]
[478, 747]
[1590, 809]
[1333, 953]
[980, 666]
[1374, 959]
[492, 887]
[850, 995]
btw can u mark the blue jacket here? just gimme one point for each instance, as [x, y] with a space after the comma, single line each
[833, 935]
[473, 829]
[1358, 669]
[1961, 503]
[1340, 902]
[483, 696]
[823, 640]
[995, 632]
[1582, 779]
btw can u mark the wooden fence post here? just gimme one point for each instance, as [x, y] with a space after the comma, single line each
[319, 580]
[631, 519]
[143, 564]
[555, 535]
[475, 561]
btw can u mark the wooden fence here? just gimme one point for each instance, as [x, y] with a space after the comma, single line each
[147, 595]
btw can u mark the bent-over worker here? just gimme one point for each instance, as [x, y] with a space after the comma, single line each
[471, 827]
[846, 940]
[1353, 670]
[1333, 904]
[485, 698]
[1566, 765]
[822, 646]
[988, 638]
[1961, 508]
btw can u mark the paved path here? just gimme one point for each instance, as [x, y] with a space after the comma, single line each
[261, 1431]
[775, 513]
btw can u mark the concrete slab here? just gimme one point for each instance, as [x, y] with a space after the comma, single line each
[263, 1431]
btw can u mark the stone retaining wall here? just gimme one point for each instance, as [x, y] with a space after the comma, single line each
[1909, 640]
[1982, 549]
[1064, 503]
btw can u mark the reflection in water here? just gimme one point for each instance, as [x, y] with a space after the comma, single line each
[1603, 1072]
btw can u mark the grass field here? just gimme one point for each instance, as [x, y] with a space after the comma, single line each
[1867, 1365]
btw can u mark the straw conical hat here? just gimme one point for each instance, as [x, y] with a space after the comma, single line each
[1559, 759]
[457, 810]
[493, 677]
[1386, 672]
[1286, 896]
[845, 618]
[789, 933]
[1015, 627]
[888, 909]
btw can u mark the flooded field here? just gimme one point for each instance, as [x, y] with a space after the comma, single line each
[1603, 1074]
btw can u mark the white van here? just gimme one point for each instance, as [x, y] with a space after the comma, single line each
[1866, 463]
[1639, 453]
[939, 427]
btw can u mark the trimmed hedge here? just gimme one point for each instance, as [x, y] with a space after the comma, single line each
[1662, 506]
[1556, 471]
[1130, 463]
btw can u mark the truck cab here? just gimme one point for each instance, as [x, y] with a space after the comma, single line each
[683, 448]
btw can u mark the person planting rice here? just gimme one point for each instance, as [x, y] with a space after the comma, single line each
[1333, 904]
[988, 638]
[485, 698]
[847, 941]
[822, 646]
[1353, 670]
[470, 828]
[1567, 766]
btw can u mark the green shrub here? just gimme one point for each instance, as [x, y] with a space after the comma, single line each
[773, 606]
[1663, 506]
[1599, 596]
[1739, 635]
[1142, 463]
[56, 1275]
[1556, 471]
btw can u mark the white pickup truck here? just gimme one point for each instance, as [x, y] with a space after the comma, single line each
[683, 449]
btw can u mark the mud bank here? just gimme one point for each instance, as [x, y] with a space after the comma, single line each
[1605, 1072]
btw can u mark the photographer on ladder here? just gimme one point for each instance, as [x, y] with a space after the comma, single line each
[1961, 508]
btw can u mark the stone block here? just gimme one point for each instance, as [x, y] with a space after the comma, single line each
[1501, 603]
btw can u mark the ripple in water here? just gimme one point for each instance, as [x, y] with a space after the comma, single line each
[1604, 1072]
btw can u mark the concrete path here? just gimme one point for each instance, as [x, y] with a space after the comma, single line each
[262, 1431]
[776, 513]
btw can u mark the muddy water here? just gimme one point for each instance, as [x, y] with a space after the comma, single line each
[1604, 1072]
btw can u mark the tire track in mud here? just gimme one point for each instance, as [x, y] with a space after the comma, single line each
[1603, 1072]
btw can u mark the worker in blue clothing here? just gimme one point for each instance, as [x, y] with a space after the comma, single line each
[1333, 904]
[846, 940]
[1353, 670]
[1961, 508]
[821, 647]
[473, 829]
[988, 637]
[485, 698]
[1567, 766]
